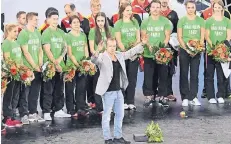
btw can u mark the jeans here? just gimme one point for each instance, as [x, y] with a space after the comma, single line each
[115, 100]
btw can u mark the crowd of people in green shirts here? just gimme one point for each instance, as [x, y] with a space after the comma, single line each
[33, 50]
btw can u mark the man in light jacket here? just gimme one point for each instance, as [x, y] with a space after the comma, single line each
[112, 79]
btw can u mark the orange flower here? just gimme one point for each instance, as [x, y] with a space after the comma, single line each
[164, 60]
[24, 76]
[222, 55]
[219, 50]
[214, 52]
[13, 70]
[167, 54]
[192, 43]
[29, 73]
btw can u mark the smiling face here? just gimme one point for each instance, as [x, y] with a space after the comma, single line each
[191, 8]
[155, 9]
[127, 12]
[75, 24]
[100, 21]
[218, 8]
[53, 20]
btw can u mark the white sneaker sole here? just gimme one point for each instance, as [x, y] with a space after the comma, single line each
[60, 116]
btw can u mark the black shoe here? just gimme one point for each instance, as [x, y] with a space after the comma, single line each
[164, 102]
[109, 141]
[121, 141]
[204, 94]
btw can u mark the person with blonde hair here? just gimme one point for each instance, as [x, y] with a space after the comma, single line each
[12, 51]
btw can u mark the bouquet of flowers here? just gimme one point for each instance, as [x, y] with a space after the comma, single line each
[69, 73]
[12, 70]
[48, 71]
[220, 52]
[163, 56]
[26, 75]
[194, 47]
[87, 67]
[154, 133]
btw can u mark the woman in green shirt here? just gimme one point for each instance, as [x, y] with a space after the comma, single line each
[189, 27]
[218, 29]
[97, 40]
[77, 48]
[11, 50]
[127, 33]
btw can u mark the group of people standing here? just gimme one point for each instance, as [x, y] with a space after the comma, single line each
[114, 45]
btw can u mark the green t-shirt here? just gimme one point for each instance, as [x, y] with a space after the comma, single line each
[156, 32]
[218, 29]
[191, 28]
[128, 31]
[33, 41]
[56, 39]
[77, 44]
[104, 37]
[14, 49]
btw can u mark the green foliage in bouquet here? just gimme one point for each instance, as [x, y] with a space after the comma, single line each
[156, 48]
[154, 133]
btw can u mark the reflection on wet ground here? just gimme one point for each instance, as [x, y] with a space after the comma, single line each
[29, 133]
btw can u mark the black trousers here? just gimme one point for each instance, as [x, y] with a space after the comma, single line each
[132, 70]
[28, 100]
[188, 89]
[150, 84]
[53, 96]
[10, 98]
[75, 102]
[90, 89]
[211, 66]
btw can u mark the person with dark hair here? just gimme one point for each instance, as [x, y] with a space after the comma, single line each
[2, 21]
[190, 27]
[127, 32]
[30, 42]
[21, 20]
[12, 51]
[95, 8]
[70, 10]
[97, 39]
[218, 29]
[115, 17]
[158, 29]
[113, 78]
[77, 48]
[207, 13]
[173, 17]
[45, 25]
[54, 46]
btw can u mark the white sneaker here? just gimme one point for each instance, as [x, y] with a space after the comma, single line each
[61, 114]
[185, 103]
[221, 100]
[25, 120]
[212, 101]
[195, 102]
[126, 106]
[47, 117]
[32, 118]
[131, 106]
[38, 118]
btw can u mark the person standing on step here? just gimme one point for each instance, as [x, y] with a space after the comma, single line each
[218, 29]
[54, 46]
[158, 29]
[30, 42]
[190, 27]
[97, 39]
[127, 32]
[77, 48]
